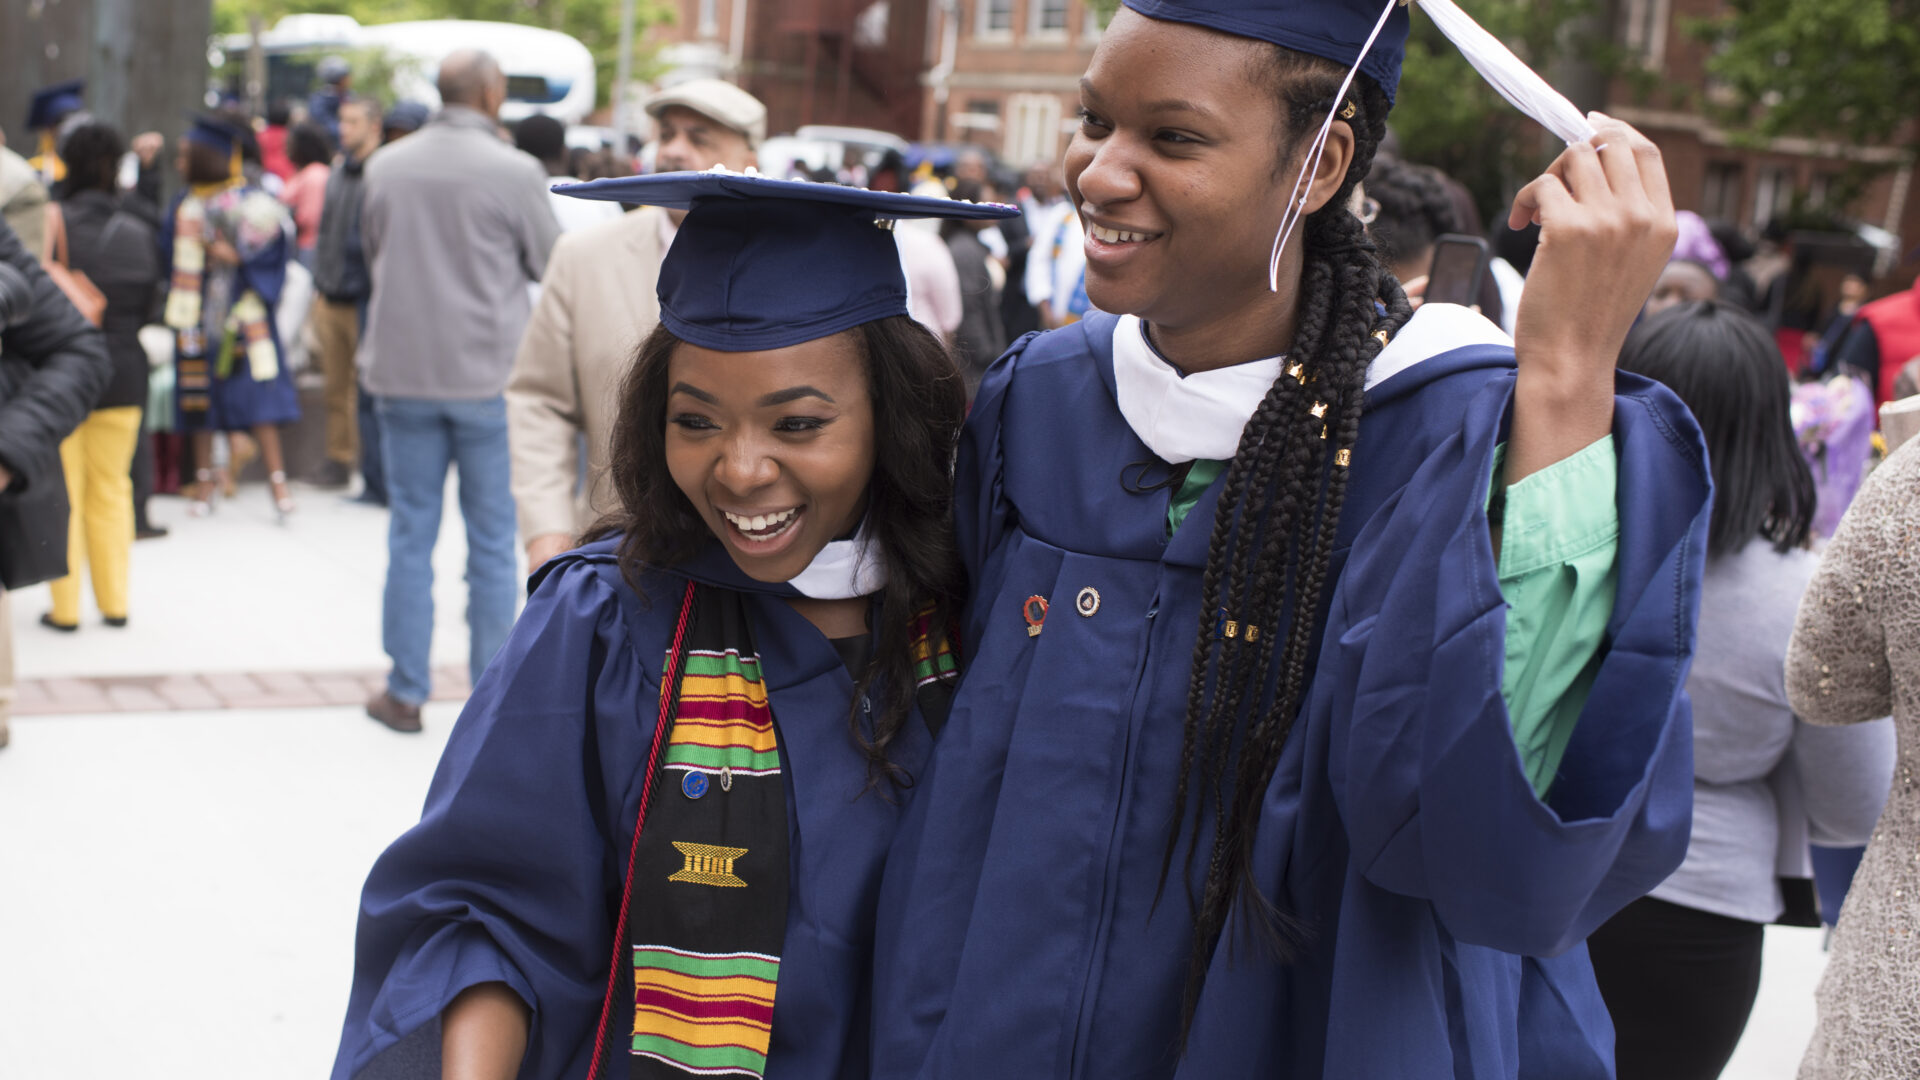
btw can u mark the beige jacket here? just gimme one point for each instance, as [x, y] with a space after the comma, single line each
[597, 304]
[23, 201]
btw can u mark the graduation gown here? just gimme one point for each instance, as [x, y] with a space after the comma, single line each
[238, 401]
[514, 872]
[1441, 905]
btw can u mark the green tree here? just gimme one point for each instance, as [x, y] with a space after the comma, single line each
[1847, 70]
[1446, 115]
[596, 23]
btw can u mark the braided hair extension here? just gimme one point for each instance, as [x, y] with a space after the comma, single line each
[1273, 531]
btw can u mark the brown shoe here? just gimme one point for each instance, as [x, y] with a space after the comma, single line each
[397, 715]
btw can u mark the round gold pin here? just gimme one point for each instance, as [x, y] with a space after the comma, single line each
[1087, 602]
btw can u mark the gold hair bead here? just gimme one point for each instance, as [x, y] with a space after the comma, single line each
[1319, 409]
[1343, 459]
[1233, 629]
[1323, 431]
[1381, 337]
[1299, 372]
[1253, 632]
[1348, 112]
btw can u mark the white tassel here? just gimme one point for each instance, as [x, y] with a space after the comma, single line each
[1505, 72]
[1502, 70]
[1297, 202]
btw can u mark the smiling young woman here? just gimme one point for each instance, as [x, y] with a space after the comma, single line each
[1336, 649]
[610, 877]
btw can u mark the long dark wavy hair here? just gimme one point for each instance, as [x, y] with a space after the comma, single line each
[1723, 363]
[919, 402]
[1274, 530]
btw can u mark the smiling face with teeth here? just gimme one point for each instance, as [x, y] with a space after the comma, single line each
[774, 449]
[1180, 169]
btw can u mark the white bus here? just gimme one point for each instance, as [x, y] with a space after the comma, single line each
[547, 71]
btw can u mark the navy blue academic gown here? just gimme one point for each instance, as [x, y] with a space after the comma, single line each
[1442, 906]
[514, 872]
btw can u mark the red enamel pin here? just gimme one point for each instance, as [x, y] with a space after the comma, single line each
[1035, 609]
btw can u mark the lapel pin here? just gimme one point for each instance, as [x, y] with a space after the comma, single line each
[1087, 602]
[1035, 610]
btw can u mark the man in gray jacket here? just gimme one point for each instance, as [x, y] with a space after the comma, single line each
[456, 224]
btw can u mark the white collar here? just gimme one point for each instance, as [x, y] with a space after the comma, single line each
[1203, 414]
[1434, 329]
[844, 569]
[1182, 419]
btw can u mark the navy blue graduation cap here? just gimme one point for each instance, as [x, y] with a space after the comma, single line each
[1334, 29]
[52, 103]
[761, 263]
[211, 131]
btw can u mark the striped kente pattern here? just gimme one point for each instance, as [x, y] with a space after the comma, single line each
[705, 1013]
[723, 720]
[930, 663]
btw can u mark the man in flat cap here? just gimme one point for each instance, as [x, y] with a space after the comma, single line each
[596, 305]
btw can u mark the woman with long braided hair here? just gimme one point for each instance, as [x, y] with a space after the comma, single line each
[1325, 664]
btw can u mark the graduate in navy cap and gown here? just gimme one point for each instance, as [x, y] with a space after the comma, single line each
[226, 243]
[49, 106]
[1327, 664]
[653, 845]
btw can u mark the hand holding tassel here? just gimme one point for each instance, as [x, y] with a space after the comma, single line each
[1606, 229]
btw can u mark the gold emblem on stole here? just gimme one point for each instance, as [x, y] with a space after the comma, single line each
[709, 865]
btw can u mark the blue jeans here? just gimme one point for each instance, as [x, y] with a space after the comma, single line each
[373, 470]
[421, 438]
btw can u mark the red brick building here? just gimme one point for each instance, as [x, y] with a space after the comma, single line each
[1713, 175]
[1005, 74]
[852, 62]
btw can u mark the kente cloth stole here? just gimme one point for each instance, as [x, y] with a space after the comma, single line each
[242, 332]
[709, 892]
[707, 895]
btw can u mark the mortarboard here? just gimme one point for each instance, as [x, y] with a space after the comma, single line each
[1337, 30]
[51, 103]
[213, 132]
[761, 263]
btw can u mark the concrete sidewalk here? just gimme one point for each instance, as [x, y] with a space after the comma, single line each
[181, 888]
[235, 592]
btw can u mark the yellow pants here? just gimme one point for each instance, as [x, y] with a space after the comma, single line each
[97, 457]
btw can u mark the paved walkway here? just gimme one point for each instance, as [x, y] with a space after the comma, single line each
[190, 805]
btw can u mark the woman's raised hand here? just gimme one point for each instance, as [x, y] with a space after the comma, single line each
[1606, 229]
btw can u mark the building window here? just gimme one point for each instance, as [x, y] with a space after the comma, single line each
[1720, 197]
[1091, 24]
[1772, 194]
[1033, 129]
[981, 114]
[1646, 29]
[1820, 191]
[1047, 18]
[993, 19]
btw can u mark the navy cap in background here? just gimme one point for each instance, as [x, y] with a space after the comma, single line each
[214, 132]
[51, 103]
